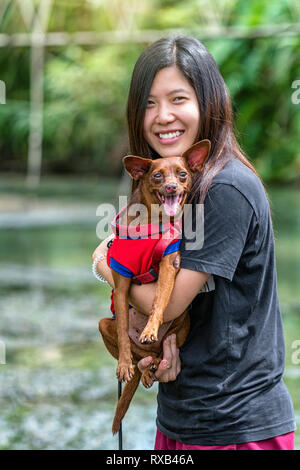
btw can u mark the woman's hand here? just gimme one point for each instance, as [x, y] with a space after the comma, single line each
[170, 366]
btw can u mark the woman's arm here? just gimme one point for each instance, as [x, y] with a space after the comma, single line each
[188, 283]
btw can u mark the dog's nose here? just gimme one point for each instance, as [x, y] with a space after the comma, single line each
[171, 188]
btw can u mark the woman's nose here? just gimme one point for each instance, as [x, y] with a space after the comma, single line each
[164, 114]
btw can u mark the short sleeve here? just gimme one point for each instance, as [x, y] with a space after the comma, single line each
[227, 216]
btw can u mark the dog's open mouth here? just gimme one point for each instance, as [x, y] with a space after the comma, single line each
[171, 203]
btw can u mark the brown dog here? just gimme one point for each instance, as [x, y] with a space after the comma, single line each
[163, 183]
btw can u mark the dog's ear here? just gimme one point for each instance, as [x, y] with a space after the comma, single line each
[197, 155]
[136, 166]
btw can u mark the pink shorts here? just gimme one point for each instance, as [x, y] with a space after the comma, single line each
[283, 442]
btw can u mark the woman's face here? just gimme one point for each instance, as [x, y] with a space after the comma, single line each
[172, 115]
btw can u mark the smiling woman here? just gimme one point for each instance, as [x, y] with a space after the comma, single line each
[225, 388]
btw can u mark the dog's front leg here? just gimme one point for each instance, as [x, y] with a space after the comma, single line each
[125, 370]
[165, 284]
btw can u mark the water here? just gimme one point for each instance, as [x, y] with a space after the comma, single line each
[58, 388]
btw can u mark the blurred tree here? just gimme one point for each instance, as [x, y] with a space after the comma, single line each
[85, 87]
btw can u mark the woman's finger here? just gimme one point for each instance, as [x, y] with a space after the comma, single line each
[168, 350]
[169, 367]
[173, 346]
[167, 361]
[144, 363]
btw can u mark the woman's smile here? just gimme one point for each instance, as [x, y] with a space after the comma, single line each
[168, 137]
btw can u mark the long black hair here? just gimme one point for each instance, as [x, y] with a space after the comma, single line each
[216, 120]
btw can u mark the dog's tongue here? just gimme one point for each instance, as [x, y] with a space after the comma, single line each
[171, 205]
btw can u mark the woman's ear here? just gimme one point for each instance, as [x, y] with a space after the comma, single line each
[136, 166]
[197, 155]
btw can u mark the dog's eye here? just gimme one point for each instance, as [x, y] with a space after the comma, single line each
[182, 174]
[157, 175]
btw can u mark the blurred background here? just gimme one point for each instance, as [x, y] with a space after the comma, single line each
[65, 68]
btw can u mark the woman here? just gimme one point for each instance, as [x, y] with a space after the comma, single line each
[225, 390]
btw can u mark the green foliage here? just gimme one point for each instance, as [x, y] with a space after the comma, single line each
[259, 74]
[85, 88]
[85, 117]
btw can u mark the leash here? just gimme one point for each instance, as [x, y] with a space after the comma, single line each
[120, 430]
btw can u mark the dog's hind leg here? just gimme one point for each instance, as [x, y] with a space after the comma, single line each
[108, 330]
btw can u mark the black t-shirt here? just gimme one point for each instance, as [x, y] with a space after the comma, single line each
[230, 388]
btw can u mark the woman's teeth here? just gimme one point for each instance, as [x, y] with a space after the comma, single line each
[170, 135]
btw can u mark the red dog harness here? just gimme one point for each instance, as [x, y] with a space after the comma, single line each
[136, 251]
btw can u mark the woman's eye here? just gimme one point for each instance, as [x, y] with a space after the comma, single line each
[179, 98]
[150, 103]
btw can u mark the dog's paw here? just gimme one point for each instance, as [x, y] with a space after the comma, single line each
[149, 335]
[147, 380]
[148, 376]
[124, 372]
